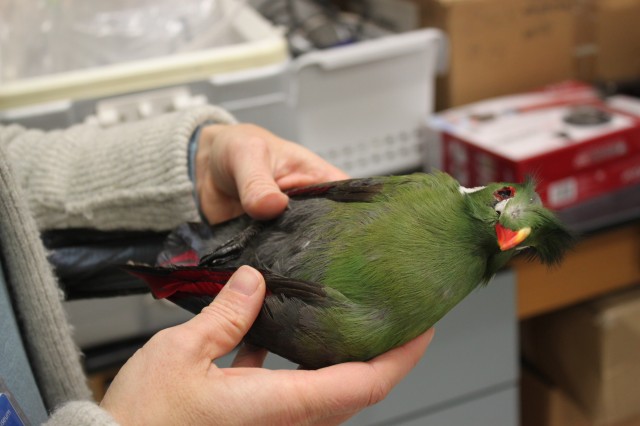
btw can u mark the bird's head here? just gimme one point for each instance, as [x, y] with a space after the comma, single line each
[516, 215]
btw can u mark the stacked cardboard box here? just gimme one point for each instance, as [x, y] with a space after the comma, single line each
[498, 47]
[592, 353]
[543, 403]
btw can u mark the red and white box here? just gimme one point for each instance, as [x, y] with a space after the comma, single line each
[576, 145]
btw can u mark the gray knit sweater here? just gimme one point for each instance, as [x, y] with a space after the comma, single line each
[132, 176]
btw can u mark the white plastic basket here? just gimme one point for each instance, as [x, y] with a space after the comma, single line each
[363, 106]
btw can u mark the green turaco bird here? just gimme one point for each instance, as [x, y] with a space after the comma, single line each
[356, 267]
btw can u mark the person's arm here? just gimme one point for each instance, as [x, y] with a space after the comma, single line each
[129, 176]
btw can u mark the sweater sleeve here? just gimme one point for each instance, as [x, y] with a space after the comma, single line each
[131, 176]
[80, 413]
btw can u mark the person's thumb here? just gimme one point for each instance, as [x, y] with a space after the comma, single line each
[223, 323]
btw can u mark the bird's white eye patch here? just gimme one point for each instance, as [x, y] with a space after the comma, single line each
[501, 205]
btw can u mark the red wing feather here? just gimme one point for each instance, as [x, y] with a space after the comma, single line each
[187, 258]
[166, 281]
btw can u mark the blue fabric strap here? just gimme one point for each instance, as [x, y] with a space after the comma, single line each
[192, 150]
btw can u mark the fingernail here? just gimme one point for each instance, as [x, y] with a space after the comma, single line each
[244, 281]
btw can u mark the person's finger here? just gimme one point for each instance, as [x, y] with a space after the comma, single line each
[346, 388]
[297, 180]
[249, 356]
[222, 325]
[388, 366]
[310, 169]
[259, 194]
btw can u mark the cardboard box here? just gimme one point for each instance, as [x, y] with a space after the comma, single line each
[616, 40]
[592, 352]
[575, 145]
[499, 47]
[542, 403]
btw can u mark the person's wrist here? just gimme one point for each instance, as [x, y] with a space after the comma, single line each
[204, 183]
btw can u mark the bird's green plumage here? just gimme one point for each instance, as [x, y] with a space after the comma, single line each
[413, 251]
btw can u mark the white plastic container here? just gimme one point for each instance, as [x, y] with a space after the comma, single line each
[63, 99]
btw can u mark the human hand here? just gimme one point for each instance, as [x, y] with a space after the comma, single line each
[243, 168]
[172, 379]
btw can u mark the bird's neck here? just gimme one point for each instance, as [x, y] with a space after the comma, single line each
[495, 263]
[482, 232]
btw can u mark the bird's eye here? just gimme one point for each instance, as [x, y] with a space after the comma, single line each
[504, 193]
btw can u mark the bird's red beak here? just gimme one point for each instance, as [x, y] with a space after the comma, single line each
[508, 239]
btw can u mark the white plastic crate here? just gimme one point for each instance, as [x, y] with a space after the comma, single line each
[363, 106]
[133, 90]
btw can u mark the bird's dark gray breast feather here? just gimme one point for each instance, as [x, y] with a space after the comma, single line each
[277, 244]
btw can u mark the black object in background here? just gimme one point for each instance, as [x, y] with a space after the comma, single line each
[87, 262]
[622, 87]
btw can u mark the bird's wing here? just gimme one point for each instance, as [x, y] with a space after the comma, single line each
[232, 248]
[193, 287]
[349, 190]
[366, 189]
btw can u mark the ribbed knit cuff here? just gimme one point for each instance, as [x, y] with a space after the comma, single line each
[81, 413]
[36, 298]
